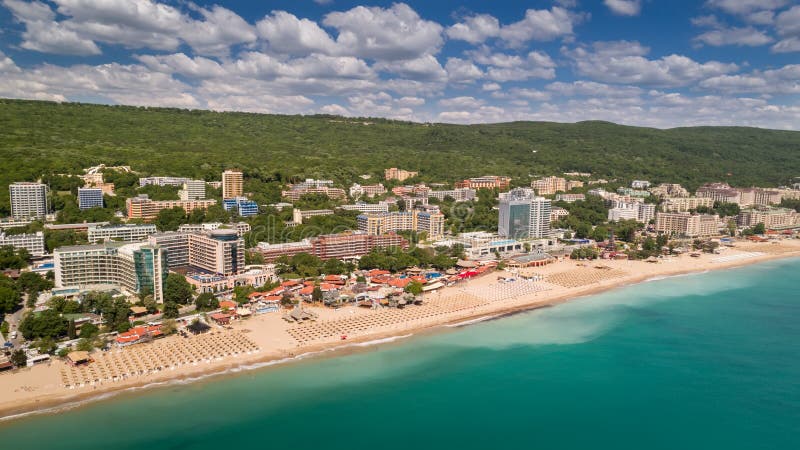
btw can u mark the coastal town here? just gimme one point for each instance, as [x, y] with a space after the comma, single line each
[113, 278]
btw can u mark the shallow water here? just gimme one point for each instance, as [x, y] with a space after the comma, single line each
[700, 361]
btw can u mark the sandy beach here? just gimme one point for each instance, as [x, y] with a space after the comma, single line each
[268, 338]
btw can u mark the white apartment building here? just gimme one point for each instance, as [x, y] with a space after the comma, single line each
[459, 195]
[126, 233]
[379, 207]
[684, 204]
[134, 268]
[28, 200]
[193, 190]
[240, 227]
[32, 242]
[689, 225]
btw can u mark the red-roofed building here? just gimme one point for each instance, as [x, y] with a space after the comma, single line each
[308, 290]
[137, 334]
[228, 304]
[221, 318]
[399, 282]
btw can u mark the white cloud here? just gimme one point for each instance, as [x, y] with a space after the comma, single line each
[491, 87]
[461, 102]
[288, 34]
[788, 22]
[593, 89]
[776, 81]
[742, 7]
[787, 45]
[746, 36]
[505, 67]
[197, 67]
[393, 33]
[462, 71]
[475, 29]
[7, 64]
[541, 25]
[624, 7]
[129, 23]
[424, 68]
[537, 25]
[43, 34]
[623, 62]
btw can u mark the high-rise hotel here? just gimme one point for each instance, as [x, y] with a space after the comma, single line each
[232, 184]
[28, 200]
[524, 215]
[135, 268]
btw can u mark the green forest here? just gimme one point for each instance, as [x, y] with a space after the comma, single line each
[42, 138]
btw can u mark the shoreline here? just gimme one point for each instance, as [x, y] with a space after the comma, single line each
[56, 400]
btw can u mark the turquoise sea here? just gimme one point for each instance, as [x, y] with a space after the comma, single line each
[706, 361]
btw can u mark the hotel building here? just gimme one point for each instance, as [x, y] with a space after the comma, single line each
[486, 182]
[90, 198]
[295, 193]
[357, 190]
[380, 207]
[339, 246]
[431, 223]
[664, 190]
[175, 245]
[32, 242]
[684, 204]
[549, 185]
[28, 200]
[298, 216]
[135, 268]
[232, 184]
[772, 218]
[459, 195]
[244, 207]
[193, 190]
[524, 215]
[126, 232]
[398, 174]
[689, 225]
[641, 212]
[142, 207]
[570, 198]
[240, 227]
[219, 251]
[163, 181]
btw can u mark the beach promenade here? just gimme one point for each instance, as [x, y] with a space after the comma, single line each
[269, 338]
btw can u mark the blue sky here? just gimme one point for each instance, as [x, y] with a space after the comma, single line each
[661, 63]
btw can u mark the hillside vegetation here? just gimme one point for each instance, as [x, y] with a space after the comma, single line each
[42, 137]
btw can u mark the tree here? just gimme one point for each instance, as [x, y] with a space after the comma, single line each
[9, 298]
[415, 287]
[19, 358]
[48, 323]
[206, 302]
[171, 310]
[89, 330]
[177, 289]
[170, 219]
[169, 326]
[316, 294]
[71, 333]
[759, 228]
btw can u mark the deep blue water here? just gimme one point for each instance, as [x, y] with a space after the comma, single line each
[703, 361]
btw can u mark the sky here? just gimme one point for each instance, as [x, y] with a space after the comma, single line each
[657, 63]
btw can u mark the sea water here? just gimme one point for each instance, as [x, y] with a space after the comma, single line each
[705, 361]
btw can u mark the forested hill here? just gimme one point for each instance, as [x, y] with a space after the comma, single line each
[43, 137]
